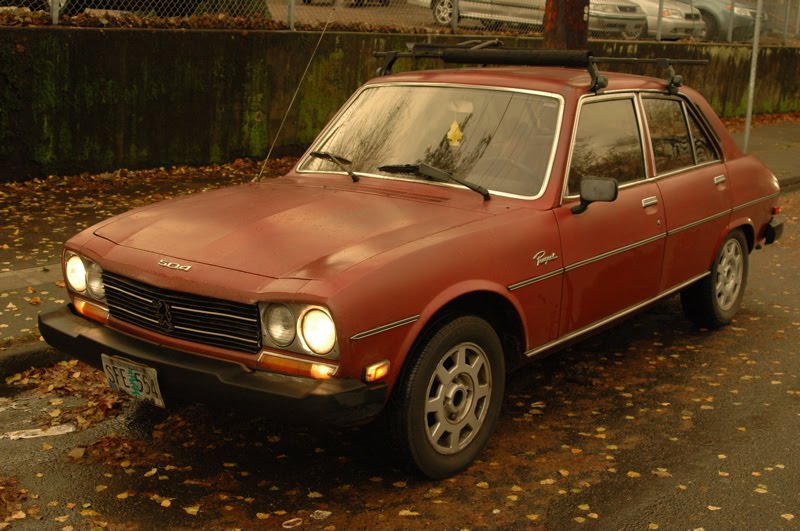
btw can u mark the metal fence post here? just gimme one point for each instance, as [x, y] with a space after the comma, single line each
[753, 70]
[730, 22]
[454, 22]
[290, 5]
[786, 22]
[797, 24]
[54, 9]
[658, 20]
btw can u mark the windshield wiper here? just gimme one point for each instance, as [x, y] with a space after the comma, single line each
[342, 162]
[436, 174]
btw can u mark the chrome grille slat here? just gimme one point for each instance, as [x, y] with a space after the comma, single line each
[205, 320]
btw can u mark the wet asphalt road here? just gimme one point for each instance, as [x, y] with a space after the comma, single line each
[651, 425]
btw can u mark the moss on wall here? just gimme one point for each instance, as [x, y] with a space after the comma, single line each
[74, 100]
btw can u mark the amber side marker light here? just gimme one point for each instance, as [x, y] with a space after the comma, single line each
[376, 371]
[282, 364]
[92, 311]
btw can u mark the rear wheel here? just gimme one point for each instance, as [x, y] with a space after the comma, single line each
[713, 301]
[446, 403]
[712, 28]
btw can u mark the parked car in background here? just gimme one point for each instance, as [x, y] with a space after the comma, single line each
[615, 18]
[444, 228]
[678, 20]
[717, 15]
[606, 17]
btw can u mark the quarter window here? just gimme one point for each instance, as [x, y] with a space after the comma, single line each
[703, 147]
[607, 144]
[669, 135]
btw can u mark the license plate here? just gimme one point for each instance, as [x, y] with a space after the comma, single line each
[135, 379]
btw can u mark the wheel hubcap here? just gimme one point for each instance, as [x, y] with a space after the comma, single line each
[730, 270]
[444, 11]
[458, 398]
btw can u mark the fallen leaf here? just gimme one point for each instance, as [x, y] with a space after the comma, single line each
[482, 485]
[165, 502]
[533, 517]
[632, 474]
[193, 510]
[714, 508]
[262, 516]
[123, 495]
[406, 512]
[315, 494]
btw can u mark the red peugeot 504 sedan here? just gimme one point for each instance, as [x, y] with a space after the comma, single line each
[446, 226]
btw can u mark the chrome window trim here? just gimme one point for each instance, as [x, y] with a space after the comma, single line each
[606, 96]
[385, 328]
[607, 320]
[325, 134]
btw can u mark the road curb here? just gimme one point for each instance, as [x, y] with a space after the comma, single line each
[789, 183]
[23, 357]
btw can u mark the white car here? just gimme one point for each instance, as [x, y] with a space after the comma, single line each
[678, 20]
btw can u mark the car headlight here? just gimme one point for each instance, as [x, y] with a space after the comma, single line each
[281, 324]
[76, 273]
[671, 13]
[602, 8]
[743, 11]
[94, 281]
[84, 276]
[318, 331]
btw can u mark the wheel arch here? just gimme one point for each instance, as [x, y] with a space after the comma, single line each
[497, 310]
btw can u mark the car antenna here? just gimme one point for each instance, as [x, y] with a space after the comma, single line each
[294, 96]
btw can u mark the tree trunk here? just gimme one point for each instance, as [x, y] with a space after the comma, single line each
[566, 24]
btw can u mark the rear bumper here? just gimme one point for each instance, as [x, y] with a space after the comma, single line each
[774, 229]
[184, 376]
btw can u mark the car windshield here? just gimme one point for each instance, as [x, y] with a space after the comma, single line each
[499, 139]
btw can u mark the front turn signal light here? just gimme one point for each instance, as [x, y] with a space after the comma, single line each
[376, 371]
[95, 312]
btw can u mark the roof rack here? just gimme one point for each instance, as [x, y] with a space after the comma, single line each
[492, 52]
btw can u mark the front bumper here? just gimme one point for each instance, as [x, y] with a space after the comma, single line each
[183, 376]
[602, 22]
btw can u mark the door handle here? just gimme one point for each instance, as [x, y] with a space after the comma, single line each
[719, 179]
[649, 201]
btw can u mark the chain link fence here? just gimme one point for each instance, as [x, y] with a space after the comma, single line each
[702, 20]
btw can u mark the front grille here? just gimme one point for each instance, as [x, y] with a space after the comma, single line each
[204, 320]
[627, 9]
[692, 16]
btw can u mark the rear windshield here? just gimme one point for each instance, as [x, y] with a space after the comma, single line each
[500, 139]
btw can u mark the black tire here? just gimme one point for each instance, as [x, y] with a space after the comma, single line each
[638, 35]
[445, 405]
[713, 301]
[443, 12]
[712, 27]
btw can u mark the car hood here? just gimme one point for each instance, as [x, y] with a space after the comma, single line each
[284, 229]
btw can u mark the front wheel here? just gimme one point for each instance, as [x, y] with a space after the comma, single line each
[713, 301]
[443, 12]
[446, 403]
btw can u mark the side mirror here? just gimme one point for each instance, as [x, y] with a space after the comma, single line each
[596, 189]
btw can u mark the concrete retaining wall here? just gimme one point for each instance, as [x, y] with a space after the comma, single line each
[75, 100]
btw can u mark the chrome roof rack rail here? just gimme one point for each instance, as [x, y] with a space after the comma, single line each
[492, 53]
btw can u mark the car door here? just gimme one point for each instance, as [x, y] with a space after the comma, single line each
[519, 11]
[612, 252]
[693, 183]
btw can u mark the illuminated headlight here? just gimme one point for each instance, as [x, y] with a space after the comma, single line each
[281, 324]
[84, 276]
[76, 273]
[318, 331]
